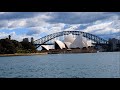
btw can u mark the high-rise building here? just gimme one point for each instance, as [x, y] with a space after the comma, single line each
[9, 37]
[25, 40]
[32, 39]
[113, 42]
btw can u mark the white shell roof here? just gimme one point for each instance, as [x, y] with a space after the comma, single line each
[69, 38]
[78, 42]
[47, 47]
[68, 44]
[60, 43]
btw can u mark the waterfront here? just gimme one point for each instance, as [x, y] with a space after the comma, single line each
[22, 54]
[83, 65]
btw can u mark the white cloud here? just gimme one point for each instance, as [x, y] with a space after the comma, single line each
[72, 27]
[3, 35]
[52, 22]
[36, 30]
[80, 17]
[97, 27]
[16, 24]
[3, 24]
[53, 28]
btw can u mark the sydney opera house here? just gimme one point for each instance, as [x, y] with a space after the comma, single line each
[70, 42]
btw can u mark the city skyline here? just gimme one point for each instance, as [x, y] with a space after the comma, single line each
[38, 24]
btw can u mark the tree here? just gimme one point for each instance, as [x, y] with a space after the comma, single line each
[28, 46]
[1, 49]
[17, 44]
[7, 47]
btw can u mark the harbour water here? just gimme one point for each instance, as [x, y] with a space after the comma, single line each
[84, 65]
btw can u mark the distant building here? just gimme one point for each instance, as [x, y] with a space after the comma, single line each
[9, 37]
[114, 43]
[25, 40]
[118, 41]
[32, 39]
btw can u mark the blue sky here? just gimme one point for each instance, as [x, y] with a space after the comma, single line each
[38, 24]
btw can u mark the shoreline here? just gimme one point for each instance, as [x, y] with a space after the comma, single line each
[22, 54]
[43, 53]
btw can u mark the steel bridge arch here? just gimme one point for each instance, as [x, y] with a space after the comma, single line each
[49, 37]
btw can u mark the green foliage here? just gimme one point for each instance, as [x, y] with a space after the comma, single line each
[12, 46]
[27, 45]
[17, 44]
[7, 47]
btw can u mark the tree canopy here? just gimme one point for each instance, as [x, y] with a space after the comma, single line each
[8, 46]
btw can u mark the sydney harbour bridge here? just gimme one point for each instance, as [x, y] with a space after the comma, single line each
[89, 36]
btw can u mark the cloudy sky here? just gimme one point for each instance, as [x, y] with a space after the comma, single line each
[38, 24]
